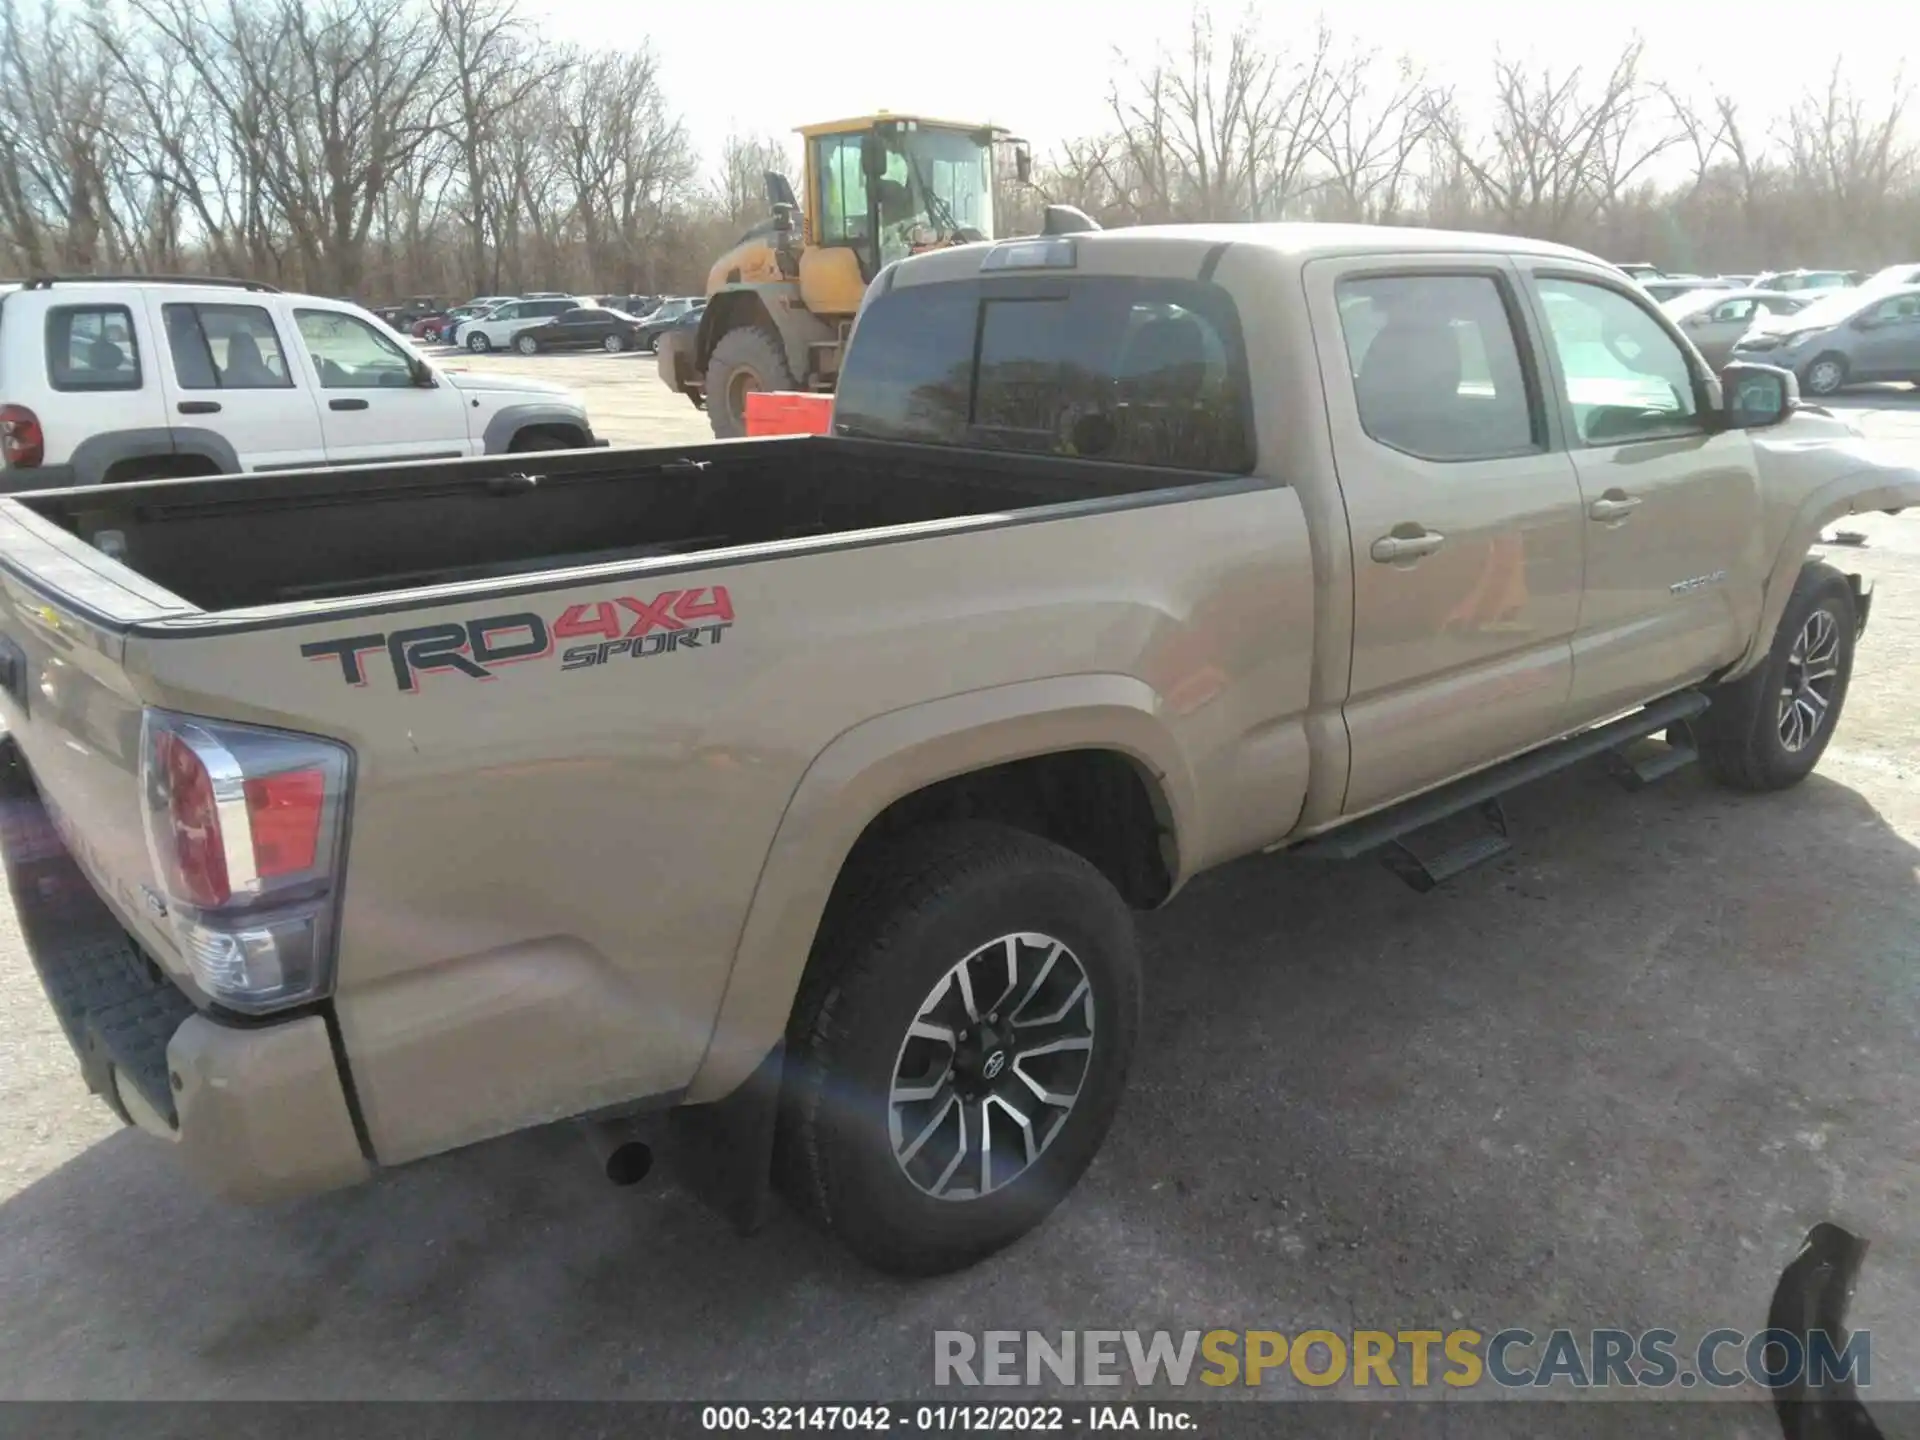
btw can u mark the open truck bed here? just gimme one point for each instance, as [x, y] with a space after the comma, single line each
[328, 535]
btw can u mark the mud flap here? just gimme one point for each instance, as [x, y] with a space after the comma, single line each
[723, 1151]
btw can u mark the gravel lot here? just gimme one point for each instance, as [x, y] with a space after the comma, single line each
[1607, 1081]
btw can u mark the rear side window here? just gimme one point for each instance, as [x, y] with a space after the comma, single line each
[225, 347]
[92, 347]
[1436, 366]
[1138, 371]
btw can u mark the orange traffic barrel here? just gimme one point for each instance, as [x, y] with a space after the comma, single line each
[788, 412]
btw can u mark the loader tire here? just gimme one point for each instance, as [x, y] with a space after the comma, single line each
[745, 359]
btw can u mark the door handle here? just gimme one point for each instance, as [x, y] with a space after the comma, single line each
[1613, 506]
[198, 407]
[346, 404]
[1389, 549]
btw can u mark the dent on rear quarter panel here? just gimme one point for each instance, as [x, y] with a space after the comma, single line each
[549, 870]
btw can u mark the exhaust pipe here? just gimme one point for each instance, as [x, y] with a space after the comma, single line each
[624, 1155]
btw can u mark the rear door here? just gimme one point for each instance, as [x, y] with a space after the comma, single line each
[1671, 509]
[1463, 516]
[372, 407]
[229, 370]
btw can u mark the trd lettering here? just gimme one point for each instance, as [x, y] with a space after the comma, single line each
[628, 625]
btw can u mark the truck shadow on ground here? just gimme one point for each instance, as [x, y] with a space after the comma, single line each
[1607, 1080]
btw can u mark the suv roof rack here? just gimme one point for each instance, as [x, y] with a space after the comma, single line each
[47, 282]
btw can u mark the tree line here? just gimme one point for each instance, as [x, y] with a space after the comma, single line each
[384, 148]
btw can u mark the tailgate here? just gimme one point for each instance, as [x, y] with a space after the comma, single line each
[73, 710]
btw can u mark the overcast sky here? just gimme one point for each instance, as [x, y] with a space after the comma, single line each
[1041, 67]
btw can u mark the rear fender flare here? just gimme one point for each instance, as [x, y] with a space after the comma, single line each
[97, 454]
[1859, 493]
[882, 760]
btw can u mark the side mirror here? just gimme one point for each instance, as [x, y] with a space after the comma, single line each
[783, 218]
[421, 373]
[1023, 165]
[873, 157]
[1757, 396]
[779, 192]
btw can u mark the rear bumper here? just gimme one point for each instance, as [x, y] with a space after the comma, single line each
[257, 1112]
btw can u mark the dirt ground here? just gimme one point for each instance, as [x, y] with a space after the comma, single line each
[1609, 1080]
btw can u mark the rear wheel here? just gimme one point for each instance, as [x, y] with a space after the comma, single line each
[614, 343]
[959, 1047]
[478, 343]
[1768, 729]
[744, 361]
[527, 345]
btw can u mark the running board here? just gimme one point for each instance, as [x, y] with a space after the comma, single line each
[1636, 772]
[1367, 835]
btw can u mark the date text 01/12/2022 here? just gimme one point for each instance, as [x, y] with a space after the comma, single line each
[946, 1419]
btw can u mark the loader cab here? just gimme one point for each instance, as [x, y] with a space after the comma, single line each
[885, 187]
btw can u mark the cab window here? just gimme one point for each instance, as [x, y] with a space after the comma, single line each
[1137, 371]
[1624, 377]
[843, 191]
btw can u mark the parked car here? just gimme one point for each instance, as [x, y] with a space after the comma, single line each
[582, 328]
[496, 328]
[637, 306]
[1714, 319]
[1892, 277]
[441, 327]
[1671, 287]
[1849, 337]
[103, 381]
[666, 314]
[1470, 511]
[1640, 270]
[1807, 280]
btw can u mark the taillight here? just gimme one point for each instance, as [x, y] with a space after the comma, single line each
[244, 827]
[23, 444]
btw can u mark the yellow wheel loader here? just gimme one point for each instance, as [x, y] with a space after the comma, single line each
[781, 301]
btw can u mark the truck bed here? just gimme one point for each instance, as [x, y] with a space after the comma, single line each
[243, 541]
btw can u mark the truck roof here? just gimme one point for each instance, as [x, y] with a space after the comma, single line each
[1298, 241]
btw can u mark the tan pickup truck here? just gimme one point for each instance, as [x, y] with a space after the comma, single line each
[348, 826]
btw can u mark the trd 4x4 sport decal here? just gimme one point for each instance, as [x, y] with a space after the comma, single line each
[625, 627]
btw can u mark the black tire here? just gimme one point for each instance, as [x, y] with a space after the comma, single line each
[1814, 378]
[537, 440]
[478, 343]
[527, 345]
[901, 922]
[1742, 743]
[614, 344]
[744, 359]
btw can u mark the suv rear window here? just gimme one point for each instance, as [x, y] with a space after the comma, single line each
[1134, 370]
[92, 347]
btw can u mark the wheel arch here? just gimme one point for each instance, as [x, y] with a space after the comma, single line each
[1859, 493]
[95, 456]
[946, 758]
[510, 420]
[773, 306]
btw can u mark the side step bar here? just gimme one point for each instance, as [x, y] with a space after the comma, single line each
[1483, 791]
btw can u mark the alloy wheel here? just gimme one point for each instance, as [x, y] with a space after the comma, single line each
[1813, 669]
[991, 1066]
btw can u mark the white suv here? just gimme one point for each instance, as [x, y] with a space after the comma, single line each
[496, 329]
[103, 381]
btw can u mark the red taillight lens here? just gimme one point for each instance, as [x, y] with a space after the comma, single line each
[192, 853]
[286, 812]
[23, 444]
[245, 826]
